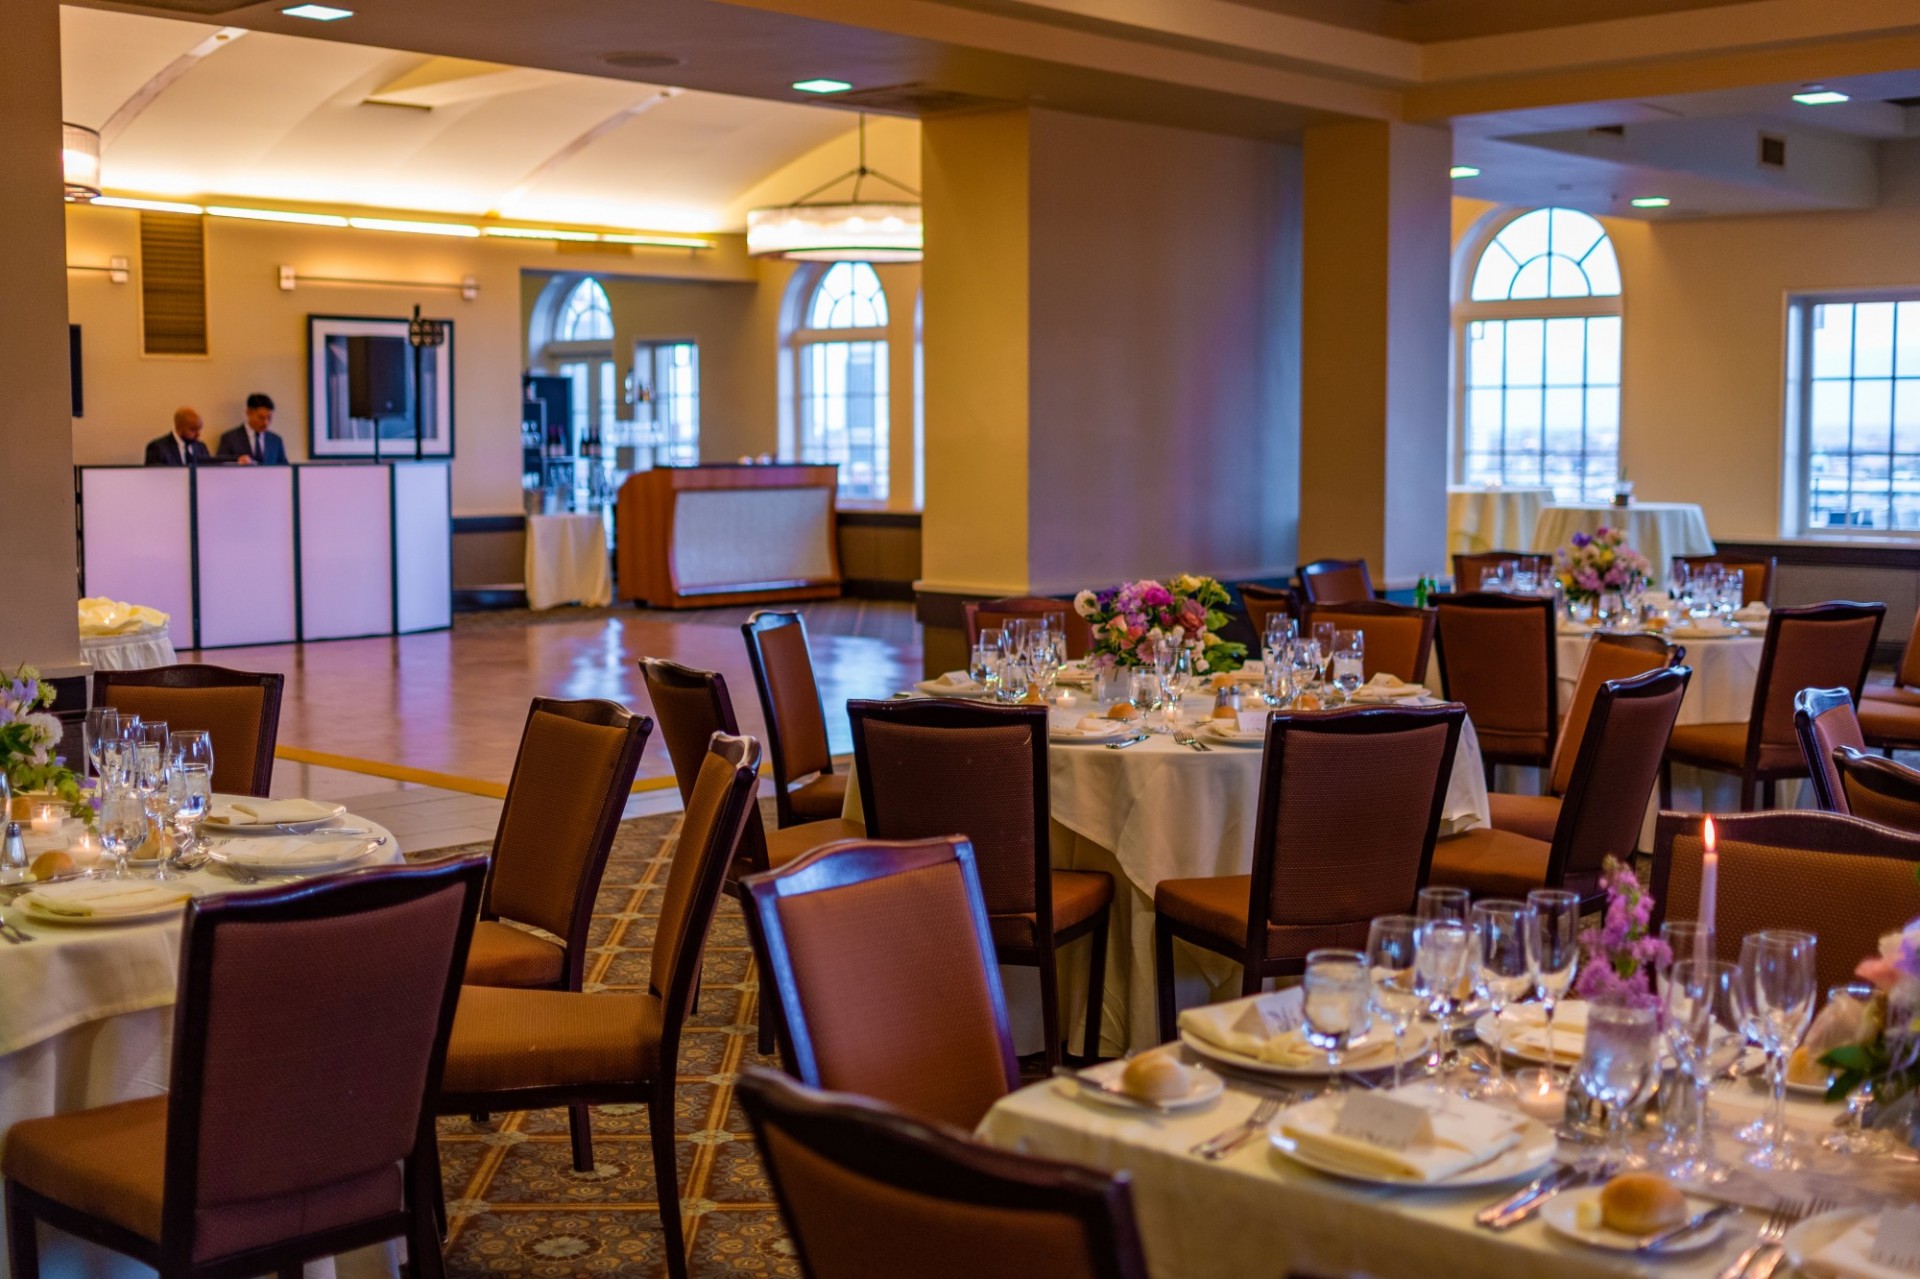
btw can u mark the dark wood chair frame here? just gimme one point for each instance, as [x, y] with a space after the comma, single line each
[1542, 564]
[1260, 602]
[768, 619]
[1305, 574]
[1750, 773]
[743, 754]
[1494, 602]
[1809, 704]
[198, 675]
[881, 1144]
[1384, 608]
[327, 896]
[1881, 776]
[961, 716]
[842, 865]
[1251, 954]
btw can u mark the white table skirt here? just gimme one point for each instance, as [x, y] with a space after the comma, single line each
[567, 561]
[1658, 530]
[138, 651]
[1492, 519]
[1724, 674]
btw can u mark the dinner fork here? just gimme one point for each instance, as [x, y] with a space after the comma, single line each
[12, 933]
[1192, 742]
[1766, 1250]
[1222, 1144]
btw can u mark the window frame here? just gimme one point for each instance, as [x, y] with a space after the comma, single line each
[799, 340]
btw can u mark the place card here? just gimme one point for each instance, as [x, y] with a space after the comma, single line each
[1897, 1242]
[1379, 1120]
[1267, 1017]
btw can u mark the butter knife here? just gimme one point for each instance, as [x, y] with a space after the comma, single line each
[1125, 742]
[1687, 1227]
[1544, 1184]
[1576, 1177]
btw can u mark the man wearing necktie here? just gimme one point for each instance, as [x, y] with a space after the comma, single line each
[252, 443]
[181, 446]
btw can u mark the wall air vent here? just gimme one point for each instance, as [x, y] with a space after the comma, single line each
[1773, 152]
[173, 283]
[1610, 130]
[916, 100]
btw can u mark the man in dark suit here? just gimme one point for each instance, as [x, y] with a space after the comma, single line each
[181, 446]
[251, 443]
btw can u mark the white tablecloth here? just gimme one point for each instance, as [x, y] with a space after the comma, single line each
[567, 561]
[1724, 673]
[1658, 530]
[1492, 519]
[138, 651]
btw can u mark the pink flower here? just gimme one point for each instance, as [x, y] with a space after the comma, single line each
[1883, 973]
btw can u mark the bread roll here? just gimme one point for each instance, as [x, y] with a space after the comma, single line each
[1226, 713]
[47, 865]
[1641, 1203]
[1123, 710]
[1156, 1077]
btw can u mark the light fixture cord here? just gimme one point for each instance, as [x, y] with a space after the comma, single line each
[859, 174]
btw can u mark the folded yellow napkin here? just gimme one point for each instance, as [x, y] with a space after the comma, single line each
[1524, 1029]
[1092, 726]
[958, 682]
[1851, 1255]
[1267, 1028]
[270, 812]
[103, 898]
[1465, 1134]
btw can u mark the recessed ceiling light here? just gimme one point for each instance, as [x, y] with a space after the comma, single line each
[318, 12]
[822, 86]
[1463, 171]
[1815, 96]
[1650, 202]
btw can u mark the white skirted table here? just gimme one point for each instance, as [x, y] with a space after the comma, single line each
[133, 651]
[1658, 530]
[567, 561]
[1484, 517]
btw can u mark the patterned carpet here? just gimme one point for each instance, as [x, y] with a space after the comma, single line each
[516, 1206]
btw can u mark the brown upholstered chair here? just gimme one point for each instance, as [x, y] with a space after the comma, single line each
[1843, 879]
[1889, 710]
[533, 1049]
[869, 1193]
[1399, 636]
[1824, 721]
[1468, 567]
[1499, 656]
[690, 706]
[932, 767]
[1879, 790]
[805, 787]
[1335, 581]
[240, 711]
[1818, 646]
[1262, 602]
[987, 613]
[1349, 804]
[885, 965]
[1756, 582]
[308, 1040]
[1606, 801]
[1608, 657]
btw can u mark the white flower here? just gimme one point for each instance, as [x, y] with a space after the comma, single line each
[46, 728]
[1199, 666]
[1179, 634]
[1084, 604]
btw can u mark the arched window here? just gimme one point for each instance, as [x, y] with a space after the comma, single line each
[845, 412]
[587, 315]
[1538, 340]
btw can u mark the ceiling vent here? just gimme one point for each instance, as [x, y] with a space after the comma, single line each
[914, 100]
[1773, 152]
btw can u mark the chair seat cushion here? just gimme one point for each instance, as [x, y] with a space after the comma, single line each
[1888, 722]
[1217, 906]
[797, 841]
[502, 955]
[506, 1039]
[1888, 691]
[1534, 816]
[1078, 895]
[820, 799]
[1725, 746]
[1500, 744]
[1489, 862]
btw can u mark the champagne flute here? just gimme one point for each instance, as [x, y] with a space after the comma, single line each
[1553, 952]
[1323, 635]
[1777, 985]
[1443, 954]
[1338, 1011]
[1503, 974]
[1392, 970]
[102, 723]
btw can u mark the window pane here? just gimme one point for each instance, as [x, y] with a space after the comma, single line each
[1873, 339]
[1832, 416]
[1526, 236]
[1603, 270]
[1565, 421]
[845, 413]
[1483, 421]
[1566, 352]
[1906, 416]
[1603, 350]
[1534, 279]
[1493, 278]
[1565, 279]
[1832, 341]
[1574, 233]
[1872, 416]
[1524, 355]
[1907, 321]
[848, 296]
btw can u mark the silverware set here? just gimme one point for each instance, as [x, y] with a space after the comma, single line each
[1191, 741]
[1125, 742]
[1764, 1256]
[1224, 1143]
[1509, 1212]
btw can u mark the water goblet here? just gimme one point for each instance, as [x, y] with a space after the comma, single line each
[1349, 662]
[983, 666]
[1704, 1036]
[1776, 986]
[1143, 689]
[1306, 665]
[1502, 975]
[192, 746]
[1013, 678]
[189, 795]
[123, 826]
[1049, 655]
[1393, 973]
[1619, 1061]
[1443, 903]
[1337, 1000]
[1553, 951]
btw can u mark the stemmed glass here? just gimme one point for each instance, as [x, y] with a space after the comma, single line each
[123, 826]
[1392, 968]
[1306, 664]
[1619, 1062]
[1855, 1138]
[1349, 662]
[1049, 655]
[1443, 954]
[189, 794]
[1337, 1003]
[1323, 636]
[1503, 974]
[983, 665]
[192, 746]
[102, 724]
[1553, 952]
[1703, 1031]
[1775, 989]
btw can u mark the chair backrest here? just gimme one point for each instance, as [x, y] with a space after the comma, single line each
[1349, 805]
[1845, 880]
[884, 963]
[240, 711]
[1617, 762]
[1608, 657]
[1824, 720]
[1399, 636]
[1907, 675]
[689, 707]
[789, 700]
[1881, 791]
[1756, 576]
[1499, 655]
[1468, 567]
[985, 613]
[1818, 646]
[870, 1193]
[937, 766]
[1335, 581]
[1262, 602]
[311, 1018]
[570, 784]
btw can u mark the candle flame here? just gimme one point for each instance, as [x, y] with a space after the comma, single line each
[1709, 837]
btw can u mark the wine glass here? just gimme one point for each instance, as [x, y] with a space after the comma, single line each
[1306, 664]
[1349, 662]
[1014, 675]
[983, 666]
[1176, 673]
[1143, 689]
[123, 826]
[1443, 903]
[117, 735]
[189, 795]
[1337, 1002]
[1776, 985]
[1020, 631]
[1392, 970]
[1503, 974]
[1049, 655]
[1617, 1065]
[1443, 955]
[1553, 952]
[1855, 1138]
[102, 723]
[1703, 1032]
[192, 746]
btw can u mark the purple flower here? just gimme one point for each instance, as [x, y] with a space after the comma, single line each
[1581, 540]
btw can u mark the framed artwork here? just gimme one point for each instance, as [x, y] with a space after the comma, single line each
[361, 392]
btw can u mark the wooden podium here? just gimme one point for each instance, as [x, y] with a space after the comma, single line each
[701, 536]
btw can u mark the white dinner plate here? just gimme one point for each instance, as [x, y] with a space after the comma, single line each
[314, 858]
[1419, 1039]
[1121, 728]
[1808, 1237]
[1204, 1088]
[30, 912]
[1524, 1158]
[1561, 1215]
[223, 803]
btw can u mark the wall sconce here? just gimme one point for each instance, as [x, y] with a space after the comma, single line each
[117, 270]
[80, 162]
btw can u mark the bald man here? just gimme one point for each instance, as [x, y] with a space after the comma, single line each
[181, 446]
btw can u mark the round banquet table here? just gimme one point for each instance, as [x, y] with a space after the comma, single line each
[86, 1019]
[1497, 518]
[1658, 530]
[1724, 673]
[1150, 812]
[134, 651]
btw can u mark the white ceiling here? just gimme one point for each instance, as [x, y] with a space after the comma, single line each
[275, 117]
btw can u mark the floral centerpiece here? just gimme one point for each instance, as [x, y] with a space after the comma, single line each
[1129, 620]
[29, 735]
[1601, 562]
[1881, 1043]
[1618, 954]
